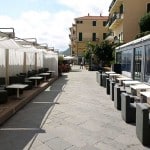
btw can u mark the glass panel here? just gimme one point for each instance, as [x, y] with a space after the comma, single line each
[137, 63]
[126, 60]
[118, 57]
[147, 63]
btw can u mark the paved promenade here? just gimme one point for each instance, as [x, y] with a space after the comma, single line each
[74, 113]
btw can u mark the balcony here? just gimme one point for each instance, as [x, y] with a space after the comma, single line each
[115, 20]
[72, 37]
[115, 4]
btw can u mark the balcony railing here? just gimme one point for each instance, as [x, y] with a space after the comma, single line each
[115, 17]
[111, 5]
[115, 4]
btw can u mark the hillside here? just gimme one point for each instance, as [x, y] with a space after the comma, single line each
[66, 52]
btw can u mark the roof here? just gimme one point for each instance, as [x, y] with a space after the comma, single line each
[92, 18]
[144, 38]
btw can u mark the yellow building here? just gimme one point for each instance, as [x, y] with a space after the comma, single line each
[87, 29]
[124, 17]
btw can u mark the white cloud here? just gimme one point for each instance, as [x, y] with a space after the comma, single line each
[53, 28]
[83, 7]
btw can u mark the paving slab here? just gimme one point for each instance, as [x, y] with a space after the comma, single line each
[74, 113]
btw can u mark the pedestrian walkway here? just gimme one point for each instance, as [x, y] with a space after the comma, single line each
[74, 113]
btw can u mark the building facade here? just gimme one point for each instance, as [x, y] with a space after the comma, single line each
[86, 29]
[124, 17]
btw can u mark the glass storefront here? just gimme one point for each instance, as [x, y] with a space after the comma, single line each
[147, 64]
[134, 58]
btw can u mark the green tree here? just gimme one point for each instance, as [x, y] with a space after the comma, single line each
[89, 51]
[104, 53]
[145, 23]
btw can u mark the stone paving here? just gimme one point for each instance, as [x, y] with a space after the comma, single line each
[74, 113]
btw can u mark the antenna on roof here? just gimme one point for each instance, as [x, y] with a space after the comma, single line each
[100, 13]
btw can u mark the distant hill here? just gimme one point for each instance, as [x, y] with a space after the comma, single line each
[66, 52]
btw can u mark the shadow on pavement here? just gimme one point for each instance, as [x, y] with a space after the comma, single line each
[23, 127]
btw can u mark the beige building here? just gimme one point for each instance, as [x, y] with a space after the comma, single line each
[124, 17]
[87, 29]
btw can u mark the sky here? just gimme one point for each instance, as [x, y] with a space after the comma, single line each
[48, 20]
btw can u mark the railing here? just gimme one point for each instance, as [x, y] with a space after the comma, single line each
[114, 17]
[111, 5]
[115, 3]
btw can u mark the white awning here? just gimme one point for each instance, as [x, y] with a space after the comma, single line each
[8, 44]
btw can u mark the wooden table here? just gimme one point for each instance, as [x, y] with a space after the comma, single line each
[18, 87]
[36, 78]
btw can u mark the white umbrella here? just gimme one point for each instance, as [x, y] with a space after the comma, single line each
[69, 58]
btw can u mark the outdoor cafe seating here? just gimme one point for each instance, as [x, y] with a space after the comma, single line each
[127, 96]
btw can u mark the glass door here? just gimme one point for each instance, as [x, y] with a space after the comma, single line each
[137, 60]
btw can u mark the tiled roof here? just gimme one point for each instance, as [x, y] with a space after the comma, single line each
[92, 18]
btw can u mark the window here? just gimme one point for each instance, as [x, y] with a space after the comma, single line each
[104, 23]
[94, 23]
[94, 37]
[104, 36]
[80, 36]
[121, 9]
[79, 21]
[148, 7]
